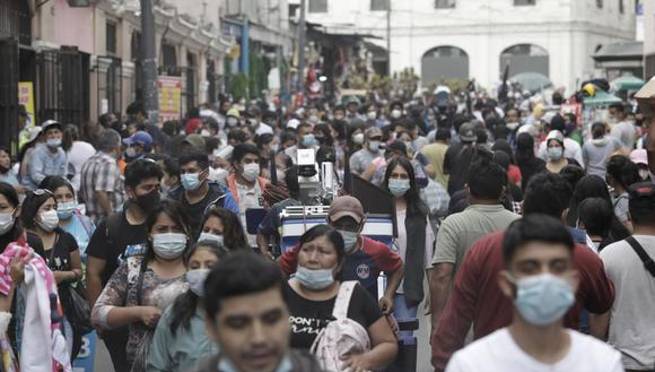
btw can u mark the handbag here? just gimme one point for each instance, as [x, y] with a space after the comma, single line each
[76, 308]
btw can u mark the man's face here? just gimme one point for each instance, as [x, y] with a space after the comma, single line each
[339, 114]
[253, 330]
[346, 224]
[248, 159]
[352, 108]
[53, 133]
[144, 187]
[302, 131]
[194, 167]
[513, 116]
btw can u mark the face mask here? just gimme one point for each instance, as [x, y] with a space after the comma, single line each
[130, 152]
[209, 237]
[512, 126]
[372, 115]
[251, 171]
[48, 220]
[65, 210]
[308, 140]
[644, 174]
[313, 119]
[232, 122]
[196, 279]
[314, 279]
[349, 240]
[543, 299]
[6, 222]
[217, 174]
[374, 146]
[275, 147]
[338, 117]
[555, 153]
[396, 114]
[53, 142]
[191, 181]
[148, 202]
[398, 187]
[205, 133]
[358, 138]
[169, 246]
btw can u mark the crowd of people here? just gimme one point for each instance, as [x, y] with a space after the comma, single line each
[532, 231]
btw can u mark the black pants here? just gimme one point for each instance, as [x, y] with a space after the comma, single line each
[116, 341]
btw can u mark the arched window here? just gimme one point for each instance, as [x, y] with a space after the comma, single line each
[444, 62]
[524, 58]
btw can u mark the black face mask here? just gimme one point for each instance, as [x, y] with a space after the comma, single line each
[148, 202]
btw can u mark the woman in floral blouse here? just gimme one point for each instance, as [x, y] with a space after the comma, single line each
[143, 286]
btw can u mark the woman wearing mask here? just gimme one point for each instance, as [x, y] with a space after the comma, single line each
[144, 286]
[355, 139]
[415, 240]
[180, 339]
[555, 153]
[223, 228]
[311, 296]
[60, 250]
[70, 219]
[10, 227]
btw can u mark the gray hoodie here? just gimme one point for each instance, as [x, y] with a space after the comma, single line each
[596, 153]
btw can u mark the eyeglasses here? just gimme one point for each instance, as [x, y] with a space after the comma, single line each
[40, 192]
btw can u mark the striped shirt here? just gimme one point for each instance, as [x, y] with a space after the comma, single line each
[101, 173]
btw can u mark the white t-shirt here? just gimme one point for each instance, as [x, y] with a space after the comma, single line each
[79, 153]
[499, 352]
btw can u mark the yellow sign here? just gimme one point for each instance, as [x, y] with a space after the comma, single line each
[26, 97]
[170, 97]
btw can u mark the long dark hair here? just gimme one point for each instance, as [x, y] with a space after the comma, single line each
[234, 237]
[186, 304]
[16, 231]
[33, 201]
[71, 134]
[415, 205]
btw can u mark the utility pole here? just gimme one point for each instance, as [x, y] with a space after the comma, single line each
[149, 62]
[389, 38]
[301, 49]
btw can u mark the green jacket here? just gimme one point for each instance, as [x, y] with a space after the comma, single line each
[182, 351]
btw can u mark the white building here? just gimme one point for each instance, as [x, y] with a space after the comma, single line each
[475, 39]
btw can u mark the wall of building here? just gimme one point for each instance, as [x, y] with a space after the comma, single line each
[649, 38]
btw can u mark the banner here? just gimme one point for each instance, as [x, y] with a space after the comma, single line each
[86, 358]
[26, 97]
[170, 97]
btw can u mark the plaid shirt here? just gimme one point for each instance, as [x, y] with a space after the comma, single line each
[436, 198]
[101, 173]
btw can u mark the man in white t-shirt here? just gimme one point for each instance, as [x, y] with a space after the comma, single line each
[632, 322]
[541, 278]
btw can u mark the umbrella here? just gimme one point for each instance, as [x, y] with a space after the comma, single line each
[532, 81]
[601, 98]
[627, 82]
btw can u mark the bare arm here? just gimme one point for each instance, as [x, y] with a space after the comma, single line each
[94, 268]
[599, 324]
[386, 302]
[103, 201]
[262, 243]
[441, 281]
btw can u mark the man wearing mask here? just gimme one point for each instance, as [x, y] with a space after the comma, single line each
[245, 184]
[197, 191]
[362, 159]
[48, 159]
[101, 186]
[138, 145]
[396, 111]
[305, 140]
[122, 235]
[352, 108]
[232, 118]
[541, 279]
[255, 121]
[622, 129]
[365, 257]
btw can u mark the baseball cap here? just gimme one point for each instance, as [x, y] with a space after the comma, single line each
[639, 156]
[293, 123]
[233, 112]
[346, 206]
[50, 124]
[139, 138]
[467, 132]
[373, 131]
[33, 133]
[195, 140]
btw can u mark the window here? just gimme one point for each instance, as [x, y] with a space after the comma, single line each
[599, 4]
[379, 5]
[318, 6]
[524, 2]
[444, 4]
[110, 38]
[621, 7]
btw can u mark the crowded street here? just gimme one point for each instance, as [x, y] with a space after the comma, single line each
[320, 185]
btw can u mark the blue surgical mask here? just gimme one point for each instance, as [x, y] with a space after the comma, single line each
[374, 146]
[196, 279]
[543, 299]
[308, 140]
[53, 142]
[191, 181]
[314, 279]
[398, 187]
[169, 246]
[209, 237]
[555, 153]
[65, 210]
[349, 240]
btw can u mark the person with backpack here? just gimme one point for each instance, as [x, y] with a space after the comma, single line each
[120, 236]
[324, 312]
[629, 264]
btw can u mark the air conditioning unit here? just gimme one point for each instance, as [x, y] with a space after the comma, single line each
[79, 3]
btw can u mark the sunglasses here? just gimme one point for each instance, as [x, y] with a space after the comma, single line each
[40, 192]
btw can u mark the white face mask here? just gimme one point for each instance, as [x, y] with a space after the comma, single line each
[209, 237]
[169, 246]
[6, 222]
[396, 114]
[196, 279]
[205, 133]
[251, 171]
[372, 115]
[358, 138]
[48, 220]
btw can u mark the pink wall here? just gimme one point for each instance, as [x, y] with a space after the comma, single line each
[74, 26]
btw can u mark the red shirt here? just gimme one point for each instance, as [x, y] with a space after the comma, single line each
[476, 297]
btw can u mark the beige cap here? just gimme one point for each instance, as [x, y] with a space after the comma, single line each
[346, 206]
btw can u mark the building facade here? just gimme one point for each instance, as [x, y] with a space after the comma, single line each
[457, 39]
